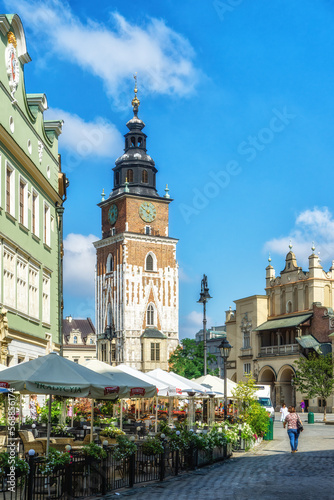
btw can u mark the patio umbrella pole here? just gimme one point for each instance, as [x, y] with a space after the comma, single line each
[156, 414]
[49, 426]
[121, 415]
[91, 421]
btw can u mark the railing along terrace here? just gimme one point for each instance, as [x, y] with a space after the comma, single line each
[85, 477]
[279, 349]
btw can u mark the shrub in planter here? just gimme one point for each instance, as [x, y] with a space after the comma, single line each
[124, 448]
[112, 432]
[60, 430]
[94, 451]
[55, 460]
[258, 419]
[152, 446]
[6, 462]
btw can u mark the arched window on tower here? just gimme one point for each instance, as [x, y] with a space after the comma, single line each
[116, 178]
[129, 175]
[140, 141]
[110, 263]
[150, 315]
[133, 142]
[149, 264]
[75, 339]
[306, 298]
[144, 176]
[289, 307]
[283, 303]
[295, 299]
[272, 304]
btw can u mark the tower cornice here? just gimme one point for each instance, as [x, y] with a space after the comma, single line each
[120, 196]
[134, 237]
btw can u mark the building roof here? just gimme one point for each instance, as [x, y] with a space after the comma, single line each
[153, 333]
[276, 324]
[308, 341]
[84, 326]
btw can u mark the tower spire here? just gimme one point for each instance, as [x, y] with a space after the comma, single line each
[135, 101]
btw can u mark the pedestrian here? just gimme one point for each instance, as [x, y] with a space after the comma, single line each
[292, 420]
[283, 411]
[33, 407]
[302, 406]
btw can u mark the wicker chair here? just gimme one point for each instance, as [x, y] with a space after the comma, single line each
[77, 445]
[60, 443]
[29, 442]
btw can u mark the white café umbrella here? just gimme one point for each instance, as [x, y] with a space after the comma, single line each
[54, 375]
[125, 384]
[162, 389]
[216, 384]
[181, 384]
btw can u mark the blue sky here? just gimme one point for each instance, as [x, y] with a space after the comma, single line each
[238, 103]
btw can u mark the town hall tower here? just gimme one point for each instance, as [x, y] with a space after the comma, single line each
[136, 289]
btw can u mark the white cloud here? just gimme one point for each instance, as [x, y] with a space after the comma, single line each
[79, 265]
[192, 323]
[81, 139]
[315, 225]
[162, 57]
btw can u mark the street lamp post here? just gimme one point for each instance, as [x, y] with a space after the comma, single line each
[203, 299]
[109, 334]
[225, 349]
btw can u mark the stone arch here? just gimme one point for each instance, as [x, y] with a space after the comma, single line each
[267, 375]
[285, 388]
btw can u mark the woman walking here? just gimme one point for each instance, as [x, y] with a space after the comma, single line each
[283, 411]
[292, 420]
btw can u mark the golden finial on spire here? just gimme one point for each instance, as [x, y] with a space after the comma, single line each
[11, 38]
[135, 100]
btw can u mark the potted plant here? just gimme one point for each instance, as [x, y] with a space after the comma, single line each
[56, 460]
[124, 448]
[152, 446]
[60, 430]
[94, 451]
[110, 434]
[6, 462]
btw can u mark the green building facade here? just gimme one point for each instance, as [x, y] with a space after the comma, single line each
[32, 193]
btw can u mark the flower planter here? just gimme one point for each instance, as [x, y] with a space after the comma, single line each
[109, 439]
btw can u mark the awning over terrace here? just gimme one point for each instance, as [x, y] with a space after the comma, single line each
[277, 324]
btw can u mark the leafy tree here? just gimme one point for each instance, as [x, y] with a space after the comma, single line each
[244, 393]
[314, 376]
[188, 359]
[258, 418]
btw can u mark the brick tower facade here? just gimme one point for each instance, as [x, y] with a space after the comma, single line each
[136, 272]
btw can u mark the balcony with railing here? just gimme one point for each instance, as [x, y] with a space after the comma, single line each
[246, 352]
[279, 350]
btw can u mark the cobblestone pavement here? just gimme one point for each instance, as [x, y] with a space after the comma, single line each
[269, 471]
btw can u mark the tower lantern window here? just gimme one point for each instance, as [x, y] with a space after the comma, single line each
[129, 175]
[144, 176]
[133, 142]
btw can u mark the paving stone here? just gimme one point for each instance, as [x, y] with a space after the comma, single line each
[267, 472]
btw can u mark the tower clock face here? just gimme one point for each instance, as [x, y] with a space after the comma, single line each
[113, 214]
[147, 211]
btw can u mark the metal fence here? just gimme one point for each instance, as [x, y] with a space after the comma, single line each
[85, 477]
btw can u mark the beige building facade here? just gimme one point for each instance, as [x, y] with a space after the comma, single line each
[79, 340]
[269, 332]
